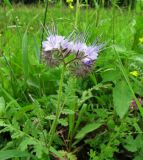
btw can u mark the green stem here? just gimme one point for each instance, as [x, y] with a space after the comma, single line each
[61, 4]
[44, 23]
[77, 12]
[58, 110]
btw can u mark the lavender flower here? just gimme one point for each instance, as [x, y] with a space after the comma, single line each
[79, 47]
[67, 46]
[86, 55]
[91, 53]
[54, 42]
[80, 69]
[56, 48]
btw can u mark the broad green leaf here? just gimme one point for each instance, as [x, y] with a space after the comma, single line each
[87, 129]
[121, 98]
[25, 54]
[2, 106]
[110, 75]
[12, 154]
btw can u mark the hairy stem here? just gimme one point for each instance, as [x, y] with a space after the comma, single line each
[44, 23]
[58, 110]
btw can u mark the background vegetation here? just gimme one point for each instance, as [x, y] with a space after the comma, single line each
[106, 3]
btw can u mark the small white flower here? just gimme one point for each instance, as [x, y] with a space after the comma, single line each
[53, 42]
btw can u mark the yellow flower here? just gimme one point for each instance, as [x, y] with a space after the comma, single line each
[70, 6]
[141, 40]
[134, 73]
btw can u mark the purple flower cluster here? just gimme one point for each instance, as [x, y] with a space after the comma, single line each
[56, 48]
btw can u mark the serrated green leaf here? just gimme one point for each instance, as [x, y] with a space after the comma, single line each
[63, 122]
[17, 134]
[70, 156]
[87, 129]
[130, 144]
[38, 149]
[50, 117]
[121, 98]
[67, 111]
[27, 141]
[54, 151]
[12, 154]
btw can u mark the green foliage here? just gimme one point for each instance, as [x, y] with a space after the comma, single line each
[2, 107]
[12, 154]
[122, 98]
[87, 129]
[96, 120]
[69, 156]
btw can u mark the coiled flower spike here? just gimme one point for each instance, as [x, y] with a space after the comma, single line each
[53, 42]
[91, 54]
[56, 48]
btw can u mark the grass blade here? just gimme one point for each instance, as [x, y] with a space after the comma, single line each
[25, 54]
[37, 49]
